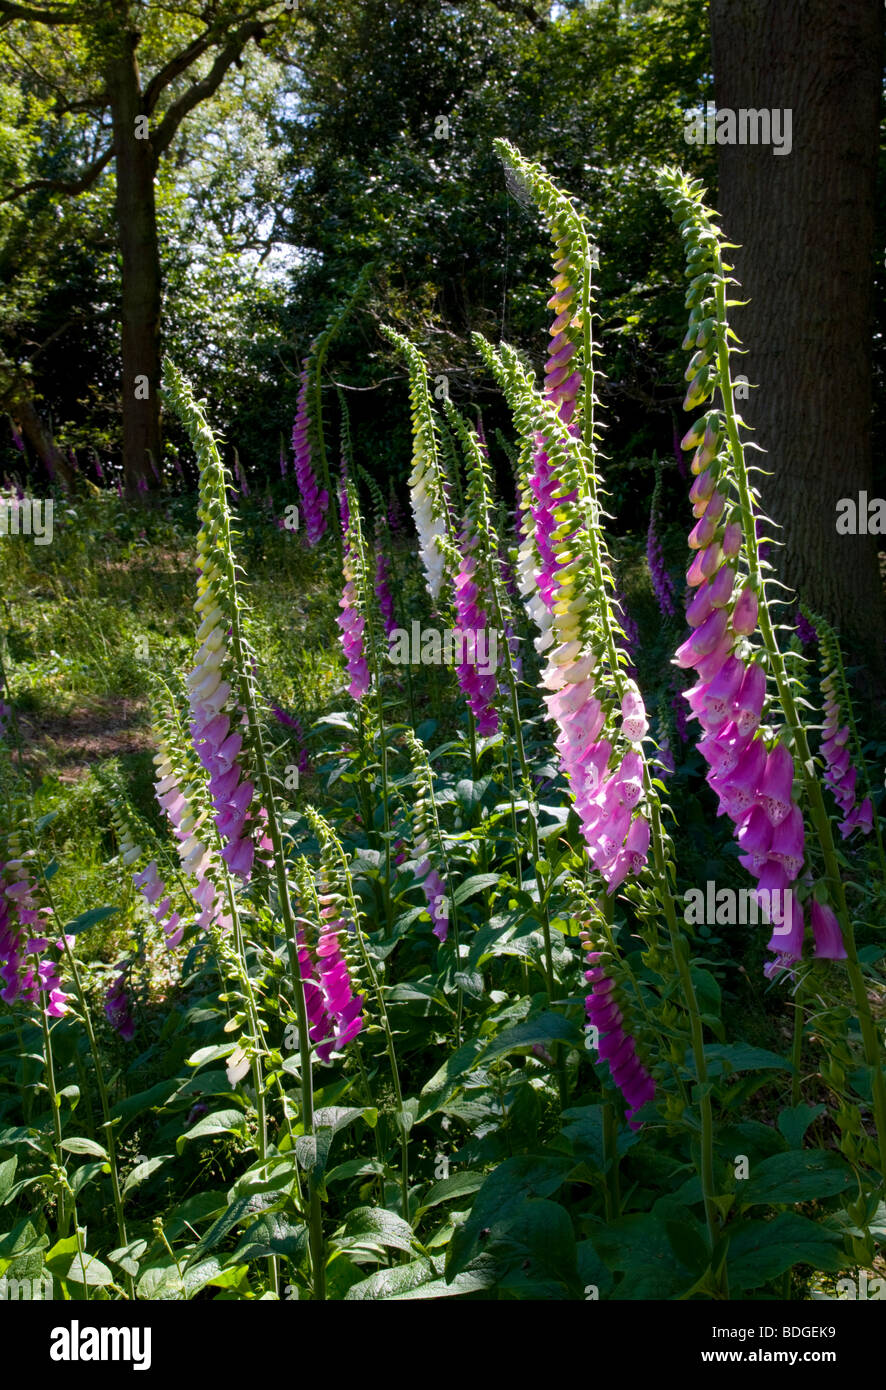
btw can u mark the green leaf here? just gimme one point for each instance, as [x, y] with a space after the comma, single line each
[271, 1234]
[210, 1126]
[79, 1145]
[135, 1105]
[144, 1170]
[724, 1058]
[418, 1280]
[761, 1250]
[505, 1188]
[211, 1054]
[7, 1176]
[477, 883]
[639, 1246]
[372, 1228]
[87, 1271]
[89, 919]
[128, 1256]
[447, 1080]
[459, 1185]
[794, 1123]
[239, 1208]
[85, 1174]
[542, 1029]
[23, 1239]
[793, 1177]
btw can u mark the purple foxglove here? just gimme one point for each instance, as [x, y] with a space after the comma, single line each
[826, 932]
[314, 502]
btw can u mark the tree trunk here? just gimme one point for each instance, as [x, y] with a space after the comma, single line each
[38, 435]
[137, 235]
[805, 224]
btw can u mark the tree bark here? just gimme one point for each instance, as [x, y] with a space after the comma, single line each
[805, 224]
[136, 219]
[38, 435]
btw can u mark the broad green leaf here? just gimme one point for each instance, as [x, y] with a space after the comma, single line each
[793, 1177]
[477, 883]
[761, 1250]
[418, 1280]
[7, 1176]
[89, 919]
[272, 1234]
[79, 1145]
[458, 1185]
[542, 1029]
[794, 1123]
[369, 1228]
[504, 1189]
[144, 1170]
[210, 1126]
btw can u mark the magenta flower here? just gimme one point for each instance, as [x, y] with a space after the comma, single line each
[826, 932]
[336, 1010]
[616, 1047]
[384, 595]
[25, 975]
[314, 502]
[118, 1009]
[471, 621]
[840, 776]
[352, 621]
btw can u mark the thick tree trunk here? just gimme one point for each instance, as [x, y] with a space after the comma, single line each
[805, 224]
[39, 436]
[137, 234]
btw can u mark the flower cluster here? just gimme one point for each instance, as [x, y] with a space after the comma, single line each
[662, 583]
[427, 485]
[117, 1008]
[753, 778]
[352, 619]
[334, 1011]
[217, 744]
[616, 1047]
[470, 619]
[291, 721]
[840, 775]
[24, 974]
[383, 593]
[314, 502]
[753, 783]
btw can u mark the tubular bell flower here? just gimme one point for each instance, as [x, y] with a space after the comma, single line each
[383, 594]
[24, 974]
[352, 619]
[314, 502]
[427, 484]
[840, 776]
[662, 583]
[471, 620]
[564, 556]
[118, 1009]
[616, 1047]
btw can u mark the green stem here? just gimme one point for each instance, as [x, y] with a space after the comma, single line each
[803, 760]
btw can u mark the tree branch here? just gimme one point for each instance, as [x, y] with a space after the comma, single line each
[200, 91]
[173, 69]
[70, 186]
[69, 15]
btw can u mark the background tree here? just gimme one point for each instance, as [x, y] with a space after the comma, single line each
[806, 224]
[129, 74]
